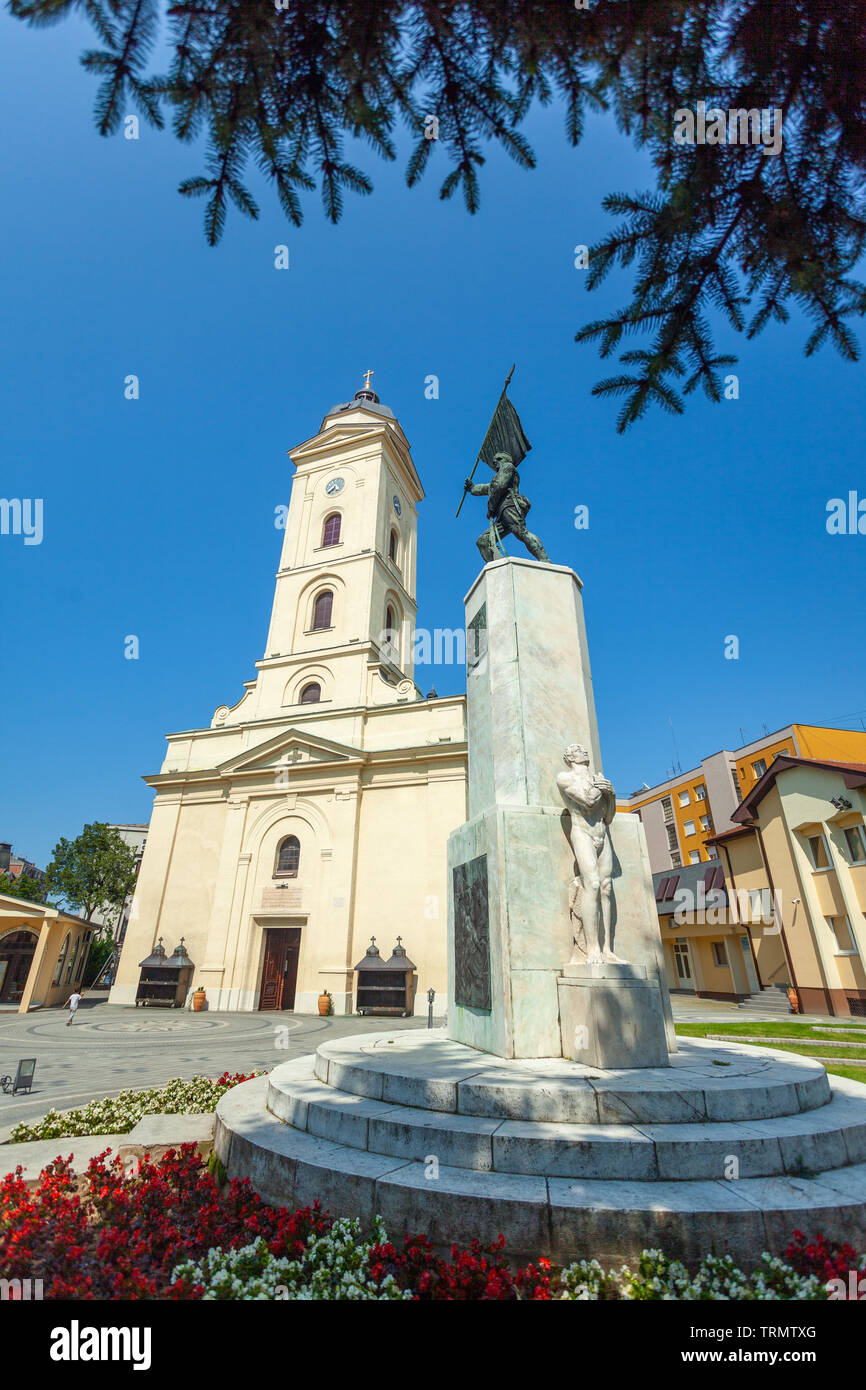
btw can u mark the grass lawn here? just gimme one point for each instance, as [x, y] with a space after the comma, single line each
[812, 1041]
[791, 1029]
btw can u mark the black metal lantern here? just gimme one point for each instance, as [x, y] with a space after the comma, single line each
[385, 987]
[165, 980]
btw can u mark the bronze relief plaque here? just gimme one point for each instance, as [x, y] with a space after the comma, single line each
[471, 935]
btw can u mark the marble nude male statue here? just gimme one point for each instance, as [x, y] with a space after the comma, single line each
[591, 803]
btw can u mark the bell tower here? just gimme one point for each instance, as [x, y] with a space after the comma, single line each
[343, 616]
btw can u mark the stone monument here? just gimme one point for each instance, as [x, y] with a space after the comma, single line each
[557, 1106]
[540, 843]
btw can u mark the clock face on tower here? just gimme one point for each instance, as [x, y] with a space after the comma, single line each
[334, 486]
[397, 508]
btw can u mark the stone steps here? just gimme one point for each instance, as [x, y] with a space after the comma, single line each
[767, 1001]
[828, 1137]
[562, 1218]
[704, 1082]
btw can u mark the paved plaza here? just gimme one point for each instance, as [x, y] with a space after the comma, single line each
[110, 1048]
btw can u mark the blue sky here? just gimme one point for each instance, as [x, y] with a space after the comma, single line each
[158, 513]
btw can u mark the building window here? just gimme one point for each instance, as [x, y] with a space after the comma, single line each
[738, 791]
[331, 529]
[700, 793]
[694, 856]
[684, 797]
[688, 827]
[391, 644]
[311, 694]
[667, 808]
[759, 767]
[85, 944]
[720, 955]
[676, 859]
[61, 960]
[681, 960]
[393, 546]
[818, 852]
[712, 852]
[667, 888]
[323, 610]
[842, 935]
[71, 964]
[856, 842]
[288, 858]
[757, 904]
[706, 823]
[672, 836]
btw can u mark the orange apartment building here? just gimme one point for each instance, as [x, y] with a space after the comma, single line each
[781, 913]
[682, 816]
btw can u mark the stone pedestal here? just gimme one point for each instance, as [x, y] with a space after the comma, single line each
[528, 683]
[529, 695]
[611, 1016]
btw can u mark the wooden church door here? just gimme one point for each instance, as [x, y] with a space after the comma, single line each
[280, 969]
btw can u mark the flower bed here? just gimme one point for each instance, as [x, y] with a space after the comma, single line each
[119, 1114]
[171, 1232]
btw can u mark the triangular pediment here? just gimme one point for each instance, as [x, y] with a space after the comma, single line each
[341, 436]
[292, 747]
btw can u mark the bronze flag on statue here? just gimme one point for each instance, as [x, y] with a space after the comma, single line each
[505, 435]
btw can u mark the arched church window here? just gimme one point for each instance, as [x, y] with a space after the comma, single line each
[288, 857]
[311, 694]
[331, 529]
[322, 610]
[391, 649]
[17, 949]
[392, 547]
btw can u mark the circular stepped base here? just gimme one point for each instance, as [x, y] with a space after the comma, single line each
[728, 1150]
[705, 1081]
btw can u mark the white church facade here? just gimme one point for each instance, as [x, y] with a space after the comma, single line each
[315, 812]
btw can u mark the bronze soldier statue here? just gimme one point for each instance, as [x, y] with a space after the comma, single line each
[506, 507]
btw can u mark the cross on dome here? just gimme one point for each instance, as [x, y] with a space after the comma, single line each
[366, 392]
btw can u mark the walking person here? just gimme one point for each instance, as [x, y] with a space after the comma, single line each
[72, 1004]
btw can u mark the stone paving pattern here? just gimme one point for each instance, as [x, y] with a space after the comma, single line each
[111, 1048]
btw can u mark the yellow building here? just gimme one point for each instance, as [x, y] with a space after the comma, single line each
[315, 812]
[682, 816]
[43, 952]
[784, 907]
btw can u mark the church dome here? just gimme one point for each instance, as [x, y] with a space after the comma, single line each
[366, 399]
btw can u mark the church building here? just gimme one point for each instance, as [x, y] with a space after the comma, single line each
[314, 812]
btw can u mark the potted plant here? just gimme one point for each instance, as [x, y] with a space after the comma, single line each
[326, 1003]
[198, 999]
